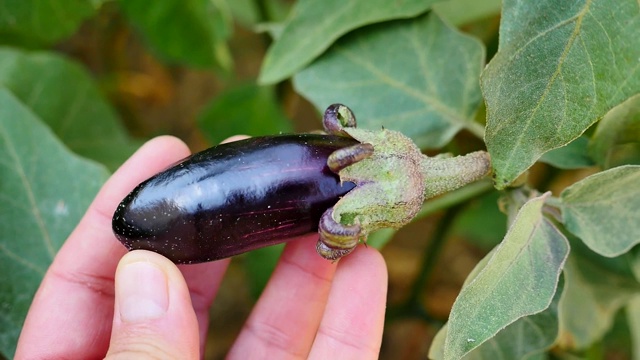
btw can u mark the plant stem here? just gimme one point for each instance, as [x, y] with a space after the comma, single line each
[454, 197]
[443, 174]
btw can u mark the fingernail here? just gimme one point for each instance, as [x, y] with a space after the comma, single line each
[141, 292]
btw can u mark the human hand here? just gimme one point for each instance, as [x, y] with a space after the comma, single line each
[311, 308]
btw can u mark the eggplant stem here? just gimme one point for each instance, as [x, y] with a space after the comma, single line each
[443, 174]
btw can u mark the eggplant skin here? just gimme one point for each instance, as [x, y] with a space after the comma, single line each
[233, 198]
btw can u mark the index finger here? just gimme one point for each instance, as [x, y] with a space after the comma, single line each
[72, 312]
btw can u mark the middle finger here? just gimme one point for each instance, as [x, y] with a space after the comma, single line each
[283, 323]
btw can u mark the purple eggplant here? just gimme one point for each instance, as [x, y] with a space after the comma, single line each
[233, 198]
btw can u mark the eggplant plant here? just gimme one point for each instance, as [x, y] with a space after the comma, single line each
[542, 95]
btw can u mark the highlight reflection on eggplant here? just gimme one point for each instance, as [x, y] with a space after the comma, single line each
[233, 198]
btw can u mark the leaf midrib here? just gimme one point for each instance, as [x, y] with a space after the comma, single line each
[29, 191]
[578, 24]
[451, 115]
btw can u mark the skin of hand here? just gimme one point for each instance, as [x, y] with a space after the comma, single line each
[97, 300]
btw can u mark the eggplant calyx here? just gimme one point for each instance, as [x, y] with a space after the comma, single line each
[393, 179]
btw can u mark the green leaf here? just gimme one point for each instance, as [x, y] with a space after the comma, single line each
[78, 115]
[314, 25]
[191, 32]
[592, 296]
[415, 76]
[616, 140]
[460, 12]
[519, 279]
[40, 22]
[524, 339]
[603, 209]
[44, 190]
[623, 265]
[561, 65]
[571, 156]
[250, 110]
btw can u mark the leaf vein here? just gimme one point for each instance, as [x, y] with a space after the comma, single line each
[29, 191]
[29, 265]
[70, 114]
[570, 41]
[451, 115]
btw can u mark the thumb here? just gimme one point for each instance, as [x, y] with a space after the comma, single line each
[153, 315]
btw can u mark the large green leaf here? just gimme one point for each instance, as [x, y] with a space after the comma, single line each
[603, 209]
[63, 95]
[524, 339]
[593, 294]
[248, 109]
[560, 67]
[42, 22]
[519, 279]
[314, 25]
[192, 32]
[417, 76]
[616, 141]
[44, 190]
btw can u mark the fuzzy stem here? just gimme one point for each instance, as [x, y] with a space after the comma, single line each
[454, 198]
[444, 174]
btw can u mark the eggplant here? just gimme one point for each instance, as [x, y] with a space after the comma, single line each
[233, 198]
